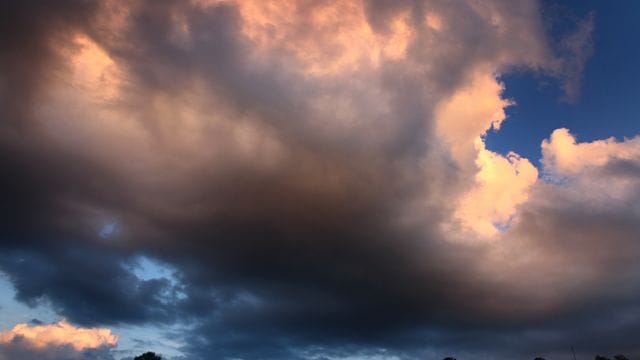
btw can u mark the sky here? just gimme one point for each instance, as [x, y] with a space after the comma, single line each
[319, 180]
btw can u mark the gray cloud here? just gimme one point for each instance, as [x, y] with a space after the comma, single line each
[285, 197]
[20, 350]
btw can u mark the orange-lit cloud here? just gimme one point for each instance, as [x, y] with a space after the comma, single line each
[500, 183]
[564, 155]
[325, 37]
[92, 71]
[60, 334]
[434, 21]
[469, 113]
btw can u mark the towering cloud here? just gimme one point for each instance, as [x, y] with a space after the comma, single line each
[315, 172]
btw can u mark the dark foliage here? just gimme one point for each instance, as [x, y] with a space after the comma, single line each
[148, 356]
[615, 357]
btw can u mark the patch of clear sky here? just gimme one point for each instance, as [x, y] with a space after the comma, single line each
[609, 101]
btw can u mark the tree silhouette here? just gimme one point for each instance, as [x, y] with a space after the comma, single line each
[620, 357]
[539, 358]
[148, 356]
[449, 358]
[598, 357]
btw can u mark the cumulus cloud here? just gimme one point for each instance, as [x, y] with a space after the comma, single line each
[500, 183]
[315, 173]
[60, 340]
[562, 154]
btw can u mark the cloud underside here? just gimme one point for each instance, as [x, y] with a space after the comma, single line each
[314, 173]
[56, 341]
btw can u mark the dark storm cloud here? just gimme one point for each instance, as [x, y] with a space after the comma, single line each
[286, 200]
[90, 286]
[27, 32]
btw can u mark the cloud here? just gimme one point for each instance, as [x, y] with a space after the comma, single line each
[575, 237]
[60, 340]
[578, 45]
[562, 154]
[94, 286]
[61, 333]
[500, 183]
[469, 113]
[312, 173]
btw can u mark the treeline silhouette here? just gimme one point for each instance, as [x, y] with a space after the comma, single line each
[148, 356]
[152, 356]
[598, 357]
